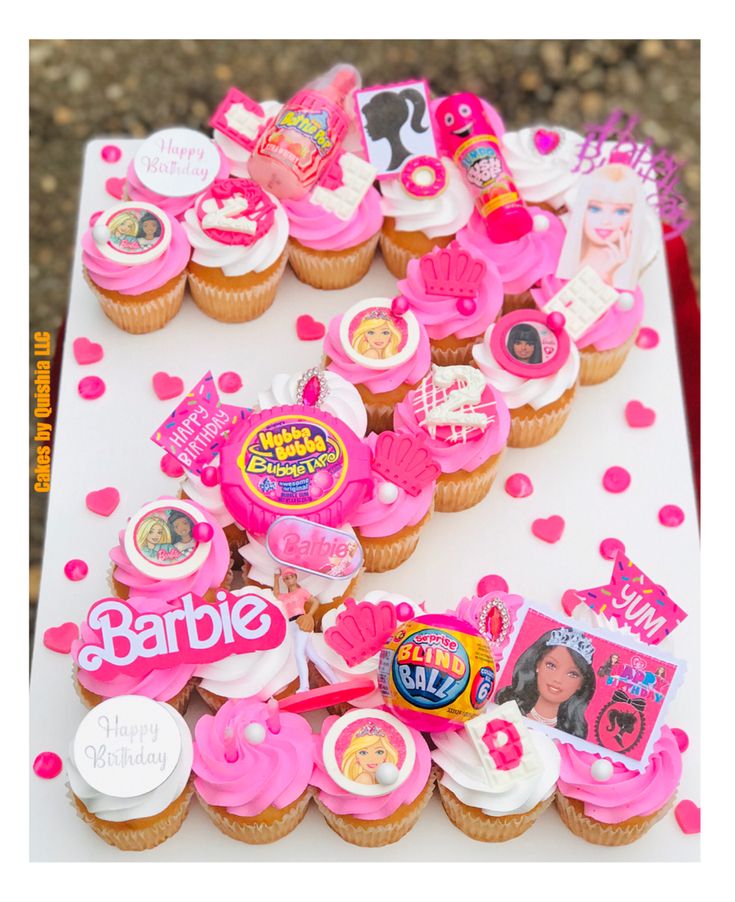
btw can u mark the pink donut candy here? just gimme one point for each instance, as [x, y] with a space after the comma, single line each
[414, 188]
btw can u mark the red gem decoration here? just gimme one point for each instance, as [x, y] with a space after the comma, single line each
[452, 272]
[361, 630]
[406, 461]
[312, 391]
[546, 141]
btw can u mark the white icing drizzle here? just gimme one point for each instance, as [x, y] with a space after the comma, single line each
[460, 408]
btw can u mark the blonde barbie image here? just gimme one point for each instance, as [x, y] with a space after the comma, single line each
[368, 750]
[124, 229]
[605, 229]
[153, 536]
[376, 337]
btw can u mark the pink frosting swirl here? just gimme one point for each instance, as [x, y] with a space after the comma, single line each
[628, 793]
[160, 685]
[466, 455]
[375, 519]
[209, 576]
[272, 773]
[407, 373]
[375, 808]
[520, 263]
[315, 227]
[440, 314]
[174, 206]
[612, 330]
[138, 279]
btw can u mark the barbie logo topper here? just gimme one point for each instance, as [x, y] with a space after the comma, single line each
[368, 752]
[314, 548]
[601, 692]
[530, 344]
[177, 162]
[168, 539]
[395, 124]
[132, 233]
[376, 337]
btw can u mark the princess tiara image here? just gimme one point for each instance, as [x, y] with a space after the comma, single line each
[370, 729]
[574, 640]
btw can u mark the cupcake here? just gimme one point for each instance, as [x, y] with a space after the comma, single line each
[542, 161]
[521, 263]
[327, 250]
[605, 803]
[139, 810]
[383, 352]
[251, 770]
[534, 366]
[372, 776]
[417, 220]
[466, 423]
[456, 297]
[168, 548]
[496, 775]
[134, 259]
[389, 521]
[239, 234]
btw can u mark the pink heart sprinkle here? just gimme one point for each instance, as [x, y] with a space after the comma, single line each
[111, 153]
[103, 501]
[229, 382]
[171, 466]
[167, 387]
[75, 569]
[545, 141]
[570, 600]
[681, 737]
[549, 529]
[114, 187]
[687, 815]
[60, 638]
[91, 387]
[519, 485]
[610, 547]
[671, 515]
[647, 338]
[47, 765]
[616, 479]
[86, 351]
[308, 329]
[490, 583]
[638, 416]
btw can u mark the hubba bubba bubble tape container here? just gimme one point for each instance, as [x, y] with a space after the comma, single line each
[436, 672]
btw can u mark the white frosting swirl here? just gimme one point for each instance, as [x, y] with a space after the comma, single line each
[236, 154]
[208, 497]
[115, 808]
[465, 777]
[437, 216]
[543, 178]
[342, 400]
[237, 259]
[518, 391]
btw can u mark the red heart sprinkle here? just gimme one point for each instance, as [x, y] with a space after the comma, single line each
[167, 387]
[86, 351]
[549, 529]
[114, 187]
[638, 416]
[60, 638]
[687, 814]
[103, 501]
[545, 141]
[308, 329]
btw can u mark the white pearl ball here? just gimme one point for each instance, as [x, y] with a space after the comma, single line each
[255, 733]
[601, 770]
[100, 233]
[387, 774]
[541, 223]
[501, 739]
[387, 493]
[625, 301]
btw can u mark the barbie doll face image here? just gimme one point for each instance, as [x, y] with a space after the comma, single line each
[531, 343]
[134, 230]
[558, 677]
[377, 335]
[395, 124]
[165, 536]
[366, 748]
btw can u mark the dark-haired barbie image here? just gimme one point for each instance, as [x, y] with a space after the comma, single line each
[553, 681]
[524, 344]
[182, 526]
[149, 230]
[386, 114]
[605, 669]
[622, 722]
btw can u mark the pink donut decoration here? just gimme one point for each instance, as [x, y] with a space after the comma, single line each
[421, 164]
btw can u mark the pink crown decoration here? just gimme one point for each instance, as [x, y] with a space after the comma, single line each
[361, 630]
[406, 461]
[371, 729]
[452, 272]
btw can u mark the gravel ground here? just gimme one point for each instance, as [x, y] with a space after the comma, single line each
[82, 89]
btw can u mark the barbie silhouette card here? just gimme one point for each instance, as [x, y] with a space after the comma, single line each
[599, 691]
[395, 124]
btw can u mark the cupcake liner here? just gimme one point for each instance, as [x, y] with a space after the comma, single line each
[544, 424]
[458, 352]
[598, 366]
[141, 316]
[477, 825]
[380, 416]
[332, 269]
[387, 552]
[461, 490]
[270, 825]
[141, 833]
[237, 305]
[372, 834]
[90, 699]
[521, 301]
[571, 812]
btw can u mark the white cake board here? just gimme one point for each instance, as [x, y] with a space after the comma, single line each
[105, 442]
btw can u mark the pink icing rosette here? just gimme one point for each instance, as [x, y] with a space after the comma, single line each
[176, 207]
[478, 612]
[135, 280]
[628, 793]
[160, 685]
[521, 263]
[407, 373]
[317, 228]
[612, 330]
[272, 773]
[369, 808]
